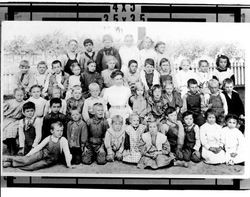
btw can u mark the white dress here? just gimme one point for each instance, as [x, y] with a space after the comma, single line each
[117, 97]
[234, 143]
[223, 75]
[40, 104]
[212, 136]
[73, 80]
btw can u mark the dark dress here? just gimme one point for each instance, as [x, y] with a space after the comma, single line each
[30, 135]
[67, 68]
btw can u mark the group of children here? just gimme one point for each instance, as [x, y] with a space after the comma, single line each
[110, 106]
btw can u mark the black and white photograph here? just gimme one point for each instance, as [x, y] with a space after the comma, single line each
[124, 99]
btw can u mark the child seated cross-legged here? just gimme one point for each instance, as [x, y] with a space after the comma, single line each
[97, 127]
[155, 149]
[45, 154]
[192, 144]
[29, 129]
[77, 135]
[211, 137]
[114, 139]
[133, 132]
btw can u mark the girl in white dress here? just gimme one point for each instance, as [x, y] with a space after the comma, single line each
[211, 137]
[234, 141]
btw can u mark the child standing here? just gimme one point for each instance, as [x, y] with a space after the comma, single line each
[132, 76]
[138, 101]
[217, 101]
[111, 63]
[25, 78]
[107, 51]
[54, 116]
[234, 141]
[211, 137]
[114, 139]
[234, 102]
[165, 71]
[90, 76]
[87, 111]
[88, 54]
[12, 113]
[76, 100]
[149, 75]
[58, 78]
[133, 132]
[46, 154]
[97, 127]
[29, 129]
[77, 135]
[223, 69]
[194, 101]
[192, 144]
[73, 79]
[183, 75]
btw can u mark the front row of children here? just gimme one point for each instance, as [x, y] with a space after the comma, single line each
[154, 145]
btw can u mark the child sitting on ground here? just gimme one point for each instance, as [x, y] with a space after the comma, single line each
[77, 135]
[97, 127]
[29, 129]
[111, 62]
[194, 101]
[45, 154]
[87, 111]
[192, 144]
[133, 132]
[211, 137]
[234, 141]
[114, 139]
[12, 113]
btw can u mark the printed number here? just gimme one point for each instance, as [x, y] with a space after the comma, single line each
[132, 16]
[106, 17]
[115, 7]
[132, 7]
[142, 17]
[115, 17]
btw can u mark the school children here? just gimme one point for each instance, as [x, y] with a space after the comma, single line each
[132, 76]
[111, 61]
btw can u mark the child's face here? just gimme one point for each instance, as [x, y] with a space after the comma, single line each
[211, 118]
[152, 128]
[42, 68]
[92, 67]
[77, 94]
[161, 48]
[204, 67]
[147, 43]
[149, 68]
[173, 116]
[231, 123]
[57, 68]
[117, 126]
[95, 92]
[29, 113]
[76, 70]
[193, 88]
[107, 44]
[98, 111]
[24, 68]
[229, 87]
[36, 92]
[214, 88]
[223, 63]
[169, 89]
[55, 108]
[139, 91]
[165, 67]
[88, 47]
[19, 96]
[185, 65]
[56, 94]
[135, 121]
[111, 64]
[73, 46]
[118, 80]
[128, 41]
[57, 131]
[133, 68]
[75, 115]
[189, 120]
[157, 94]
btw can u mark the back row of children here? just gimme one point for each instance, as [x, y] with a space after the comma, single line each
[152, 94]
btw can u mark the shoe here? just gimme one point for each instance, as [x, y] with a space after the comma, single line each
[181, 163]
[7, 164]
